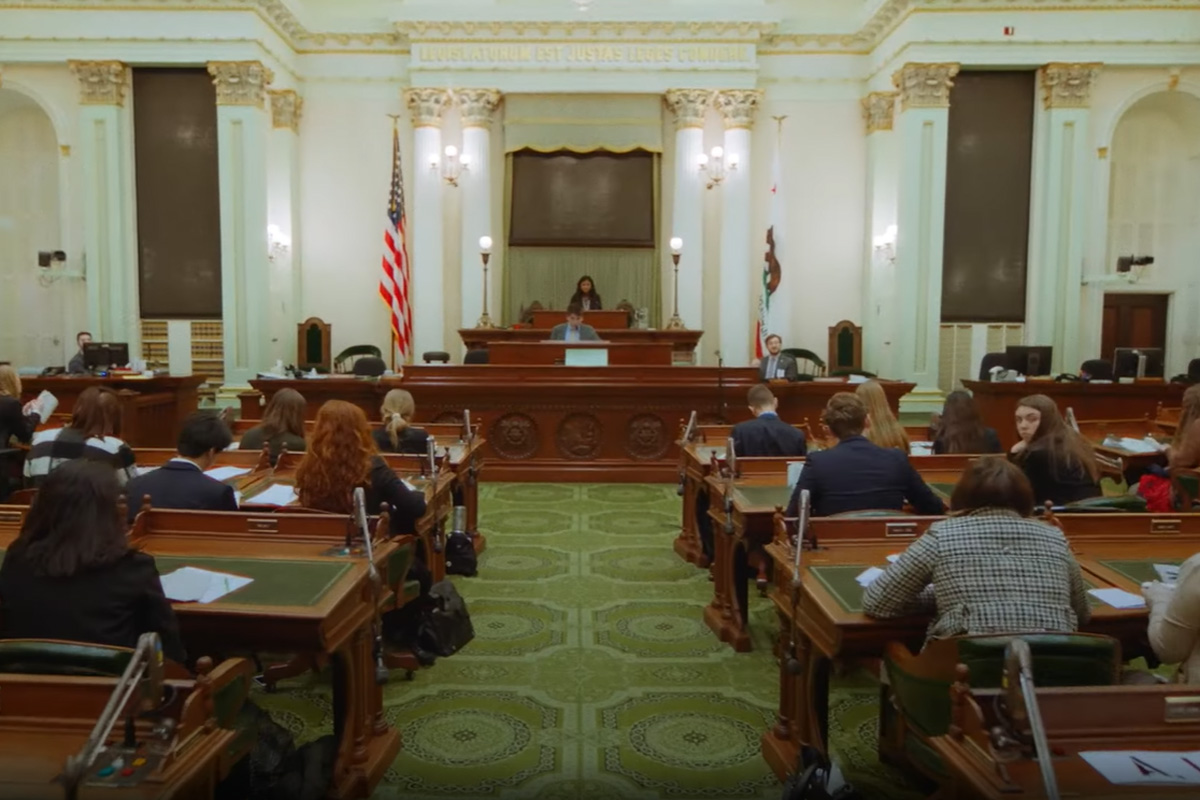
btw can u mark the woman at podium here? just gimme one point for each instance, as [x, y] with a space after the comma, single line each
[586, 295]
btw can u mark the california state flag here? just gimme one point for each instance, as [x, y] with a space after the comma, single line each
[773, 313]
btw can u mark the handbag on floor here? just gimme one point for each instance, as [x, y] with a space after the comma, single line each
[460, 555]
[446, 625]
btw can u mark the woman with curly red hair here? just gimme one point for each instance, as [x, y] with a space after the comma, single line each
[341, 457]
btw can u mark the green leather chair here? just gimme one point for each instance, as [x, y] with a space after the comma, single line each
[1125, 503]
[915, 706]
[56, 657]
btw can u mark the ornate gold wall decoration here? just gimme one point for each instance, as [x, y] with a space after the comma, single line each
[286, 108]
[101, 83]
[426, 106]
[924, 85]
[879, 110]
[240, 83]
[477, 106]
[689, 106]
[1067, 85]
[737, 106]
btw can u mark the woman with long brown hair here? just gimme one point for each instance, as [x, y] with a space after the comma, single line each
[282, 425]
[341, 457]
[960, 429]
[1058, 461]
[398, 434]
[1185, 447]
[882, 428]
[94, 434]
[15, 420]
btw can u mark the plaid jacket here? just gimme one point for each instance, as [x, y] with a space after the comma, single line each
[52, 448]
[992, 572]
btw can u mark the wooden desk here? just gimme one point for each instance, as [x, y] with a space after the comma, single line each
[825, 616]
[997, 402]
[548, 318]
[683, 342]
[1097, 431]
[152, 409]
[578, 424]
[544, 353]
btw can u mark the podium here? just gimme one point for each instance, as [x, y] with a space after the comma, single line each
[626, 354]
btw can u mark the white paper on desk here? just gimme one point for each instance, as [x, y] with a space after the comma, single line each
[1118, 598]
[192, 585]
[868, 576]
[1146, 766]
[1131, 445]
[144, 470]
[920, 448]
[893, 558]
[277, 494]
[1167, 573]
[795, 468]
[225, 473]
[408, 485]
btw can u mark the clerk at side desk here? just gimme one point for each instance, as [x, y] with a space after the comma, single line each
[574, 329]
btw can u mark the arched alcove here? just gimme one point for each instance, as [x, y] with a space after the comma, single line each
[29, 222]
[1154, 206]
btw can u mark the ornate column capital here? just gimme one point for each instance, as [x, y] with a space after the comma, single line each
[879, 110]
[689, 106]
[286, 108]
[924, 85]
[1067, 85]
[737, 106]
[477, 106]
[426, 106]
[240, 83]
[101, 83]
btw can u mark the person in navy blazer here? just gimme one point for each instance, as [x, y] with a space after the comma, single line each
[857, 475]
[766, 435]
[181, 482]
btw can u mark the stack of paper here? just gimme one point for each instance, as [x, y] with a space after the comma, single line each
[43, 405]
[920, 448]
[1118, 598]
[225, 473]
[1146, 766]
[1167, 573]
[277, 494]
[193, 585]
[1131, 445]
[868, 576]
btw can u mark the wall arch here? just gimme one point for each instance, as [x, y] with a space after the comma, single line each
[58, 116]
[1108, 124]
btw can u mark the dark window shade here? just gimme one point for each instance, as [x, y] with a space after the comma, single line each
[988, 164]
[597, 199]
[178, 193]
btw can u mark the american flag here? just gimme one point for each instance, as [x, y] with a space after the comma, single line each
[394, 285]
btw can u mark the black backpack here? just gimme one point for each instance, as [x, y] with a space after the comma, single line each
[445, 624]
[460, 555]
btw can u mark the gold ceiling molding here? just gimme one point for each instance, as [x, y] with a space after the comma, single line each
[581, 29]
[101, 83]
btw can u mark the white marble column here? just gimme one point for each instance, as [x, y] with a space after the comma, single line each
[424, 210]
[922, 130]
[1060, 199]
[110, 240]
[243, 130]
[283, 212]
[689, 106]
[476, 107]
[739, 268]
[879, 312]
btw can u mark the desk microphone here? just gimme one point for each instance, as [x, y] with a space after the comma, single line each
[1023, 712]
[721, 385]
[360, 517]
[794, 667]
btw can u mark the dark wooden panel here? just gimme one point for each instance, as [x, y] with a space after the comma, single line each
[1133, 320]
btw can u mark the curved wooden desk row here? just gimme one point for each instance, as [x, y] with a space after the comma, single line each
[680, 346]
[572, 423]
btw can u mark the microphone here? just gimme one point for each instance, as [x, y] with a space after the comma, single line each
[360, 518]
[431, 453]
[794, 667]
[1024, 714]
[721, 384]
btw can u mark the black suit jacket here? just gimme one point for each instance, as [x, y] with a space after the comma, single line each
[1058, 484]
[179, 485]
[406, 506]
[857, 475]
[412, 441]
[13, 421]
[112, 605]
[767, 435]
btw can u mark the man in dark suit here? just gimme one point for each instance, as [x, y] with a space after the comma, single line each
[574, 330]
[76, 365]
[181, 482]
[766, 435]
[857, 475]
[774, 365]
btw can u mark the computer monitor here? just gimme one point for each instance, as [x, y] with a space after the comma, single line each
[585, 356]
[1126, 360]
[1029, 360]
[102, 355]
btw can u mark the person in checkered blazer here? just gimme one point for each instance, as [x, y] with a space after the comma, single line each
[988, 568]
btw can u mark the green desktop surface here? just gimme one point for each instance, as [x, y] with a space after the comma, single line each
[762, 496]
[277, 582]
[1138, 570]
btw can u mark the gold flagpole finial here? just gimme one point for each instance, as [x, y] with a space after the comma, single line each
[395, 120]
[779, 125]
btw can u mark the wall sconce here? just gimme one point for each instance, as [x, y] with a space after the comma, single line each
[885, 244]
[278, 242]
[452, 165]
[716, 166]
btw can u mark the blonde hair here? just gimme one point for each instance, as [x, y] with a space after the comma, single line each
[884, 430]
[10, 381]
[398, 409]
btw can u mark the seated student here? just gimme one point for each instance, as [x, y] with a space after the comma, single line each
[993, 569]
[766, 434]
[774, 365]
[72, 575]
[93, 434]
[586, 295]
[960, 430]
[1175, 620]
[15, 421]
[181, 482]
[882, 429]
[574, 329]
[857, 475]
[397, 434]
[282, 425]
[1184, 451]
[1057, 461]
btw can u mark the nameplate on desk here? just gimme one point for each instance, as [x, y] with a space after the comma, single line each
[1182, 709]
[585, 356]
[900, 530]
[1165, 525]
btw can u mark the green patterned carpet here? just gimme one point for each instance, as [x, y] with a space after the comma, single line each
[592, 674]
